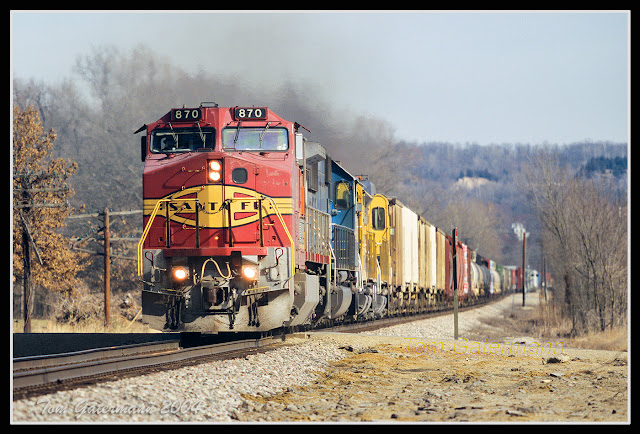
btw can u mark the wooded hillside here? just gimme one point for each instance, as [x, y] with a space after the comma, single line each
[476, 188]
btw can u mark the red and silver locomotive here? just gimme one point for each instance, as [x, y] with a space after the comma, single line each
[219, 247]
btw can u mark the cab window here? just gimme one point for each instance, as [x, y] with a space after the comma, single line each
[169, 140]
[342, 195]
[378, 221]
[255, 139]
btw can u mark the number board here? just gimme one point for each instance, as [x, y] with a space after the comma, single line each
[250, 113]
[185, 114]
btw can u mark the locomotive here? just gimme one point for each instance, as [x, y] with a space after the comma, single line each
[250, 227]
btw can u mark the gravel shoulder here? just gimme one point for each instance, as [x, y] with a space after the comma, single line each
[407, 373]
[412, 380]
[417, 372]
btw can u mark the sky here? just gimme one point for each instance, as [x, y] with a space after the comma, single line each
[521, 77]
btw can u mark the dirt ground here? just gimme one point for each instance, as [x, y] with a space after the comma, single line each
[413, 379]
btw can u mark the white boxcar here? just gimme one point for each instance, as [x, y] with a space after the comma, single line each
[410, 247]
[432, 258]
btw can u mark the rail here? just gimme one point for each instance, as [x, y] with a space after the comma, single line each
[51, 373]
[48, 361]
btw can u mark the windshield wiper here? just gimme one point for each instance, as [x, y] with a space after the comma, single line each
[235, 139]
[264, 131]
[204, 145]
[175, 136]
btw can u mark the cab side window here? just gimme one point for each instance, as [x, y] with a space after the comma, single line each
[342, 196]
[378, 220]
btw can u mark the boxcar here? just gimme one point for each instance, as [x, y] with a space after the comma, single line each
[462, 266]
[440, 263]
[410, 249]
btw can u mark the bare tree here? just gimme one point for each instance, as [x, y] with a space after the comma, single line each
[477, 223]
[585, 237]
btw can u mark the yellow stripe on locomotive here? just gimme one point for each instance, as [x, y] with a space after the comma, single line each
[243, 202]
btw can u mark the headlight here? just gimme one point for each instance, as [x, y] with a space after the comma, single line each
[249, 272]
[215, 170]
[180, 273]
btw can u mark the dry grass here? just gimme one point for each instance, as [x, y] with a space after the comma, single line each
[610, 340]
[118, 324]
[540, 321]
[545, 322]
[84, 313]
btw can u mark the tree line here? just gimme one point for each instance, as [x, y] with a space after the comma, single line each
[111, 93]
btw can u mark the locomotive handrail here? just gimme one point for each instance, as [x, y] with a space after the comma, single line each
[286, 229]
[360, 273]
[145, 232]
[247, 199]
[147, 228]
[329, 275]
[156, 208]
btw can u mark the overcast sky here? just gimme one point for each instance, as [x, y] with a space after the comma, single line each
[459, 77]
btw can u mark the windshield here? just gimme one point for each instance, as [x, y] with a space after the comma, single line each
[255, 139]
[182, 139]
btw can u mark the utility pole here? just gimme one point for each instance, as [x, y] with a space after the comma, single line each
[524, 262]
[107, 269]
[546, 283]
[107, 240]
[521, 233]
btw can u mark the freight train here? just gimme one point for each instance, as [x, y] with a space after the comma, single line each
[250, 227]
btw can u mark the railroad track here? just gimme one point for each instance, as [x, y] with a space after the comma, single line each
[47, 373]
[44, 374]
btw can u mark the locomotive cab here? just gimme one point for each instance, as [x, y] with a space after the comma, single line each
[217, 252]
